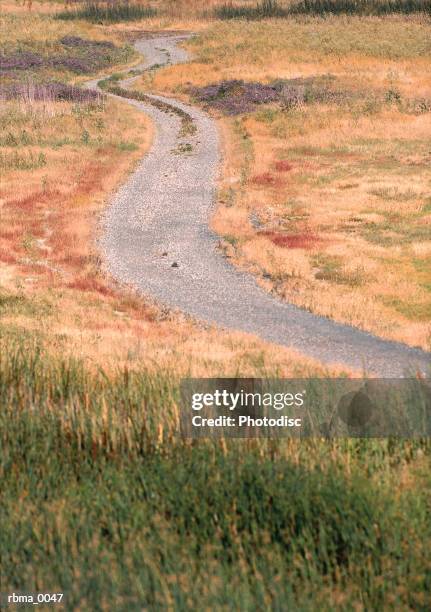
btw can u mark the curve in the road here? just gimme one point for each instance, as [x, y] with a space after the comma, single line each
[157, 238]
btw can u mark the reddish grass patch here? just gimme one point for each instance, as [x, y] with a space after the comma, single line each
[30, 201]
[33, 269]
[91, 284]
[292, 241]
[309, 165]
[61, 242]
[143, 312]
[76, 261]
[7, 257]
[264, 179]
[35, 227]
[12, 233]
[91, 178]
[283, 166]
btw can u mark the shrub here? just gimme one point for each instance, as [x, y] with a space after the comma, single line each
[235, 97]
[77, 41]
[20, 61]
[291, 96]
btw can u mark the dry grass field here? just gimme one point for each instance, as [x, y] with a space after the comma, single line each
[60, 161]
[326, 192]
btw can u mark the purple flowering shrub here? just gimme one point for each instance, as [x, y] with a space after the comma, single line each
[75, 64]
[77, 41]
[20, 61]
[236, 97]
[76, 54]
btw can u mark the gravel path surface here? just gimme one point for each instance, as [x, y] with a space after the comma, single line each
[157, 238]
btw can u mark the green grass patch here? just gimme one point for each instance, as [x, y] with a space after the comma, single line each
[19, 304]
[393, 194]
[396, 230]
[184, 148]
[426, 209]
[414, 311]
[114, 79]
[127, 146]
[187, 124]
[422, 266]
[330, 268]
[256, 43]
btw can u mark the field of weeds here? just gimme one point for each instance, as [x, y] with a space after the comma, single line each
[325, 195]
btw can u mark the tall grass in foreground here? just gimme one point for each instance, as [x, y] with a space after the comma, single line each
[108, 12]
[271, 8]
[100, 500]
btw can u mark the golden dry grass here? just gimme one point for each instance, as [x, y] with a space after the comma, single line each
[53, 284]
[343, 229]
[48, 251]
[52, 281]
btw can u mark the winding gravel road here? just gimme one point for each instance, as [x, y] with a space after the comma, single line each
[157, 238]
